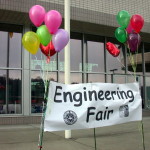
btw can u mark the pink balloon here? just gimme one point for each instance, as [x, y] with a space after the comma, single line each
[37, 15]
[129, 29]
[53, 21]
[60, 39]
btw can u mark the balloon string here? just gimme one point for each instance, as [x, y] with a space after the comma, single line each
[46, 84]
[44, 76]
[95, 145]
[124, 66]
[42, 127]
[133, 61]
[40, 66]
[141, 130]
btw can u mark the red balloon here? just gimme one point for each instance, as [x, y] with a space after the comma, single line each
[137, 22]
[48, 50]
[112, 49]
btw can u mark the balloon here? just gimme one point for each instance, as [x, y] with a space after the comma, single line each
[137, 22]
[37, 15]
[44, 35]
[121, 34]
[129, 29]
[60, 39]
[134, 41]
[123, 18]
[31, 42]
[112, 49]
[48, 50]
[53, 21]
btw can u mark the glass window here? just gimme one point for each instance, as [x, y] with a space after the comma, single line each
[10, 93]
[61, 77]
[75, 55]
[3, 48]
[38, 89]
[14, 92]
[96, 78]
[11, 57]
[109, 80]
[147, 57]
[2, 91]
[119, 79]
[147, 92]
[130, 78]
[76, 78]
[37, 92]
[61, 60]
[39, 62]
[15, 50]
[95, 57]
[115, 63]
[146, 47]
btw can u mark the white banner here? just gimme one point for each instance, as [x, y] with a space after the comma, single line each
[91, 105]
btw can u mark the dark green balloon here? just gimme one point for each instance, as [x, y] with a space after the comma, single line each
[121, 34]
[123, 18]
[44, 35]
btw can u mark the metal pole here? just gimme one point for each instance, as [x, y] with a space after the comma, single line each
[67, 51]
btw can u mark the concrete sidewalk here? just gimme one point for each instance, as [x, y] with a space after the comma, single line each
[118, 137]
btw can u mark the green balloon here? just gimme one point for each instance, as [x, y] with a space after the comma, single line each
[44, 35]
[121, 34]
[123, 18]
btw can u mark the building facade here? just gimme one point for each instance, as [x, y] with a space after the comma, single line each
[92, 25]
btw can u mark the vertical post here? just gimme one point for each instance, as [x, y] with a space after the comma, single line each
[67, 51]
[26, 74]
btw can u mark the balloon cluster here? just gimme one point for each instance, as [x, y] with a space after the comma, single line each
[127, 33]
[129, 29]
[48, 36]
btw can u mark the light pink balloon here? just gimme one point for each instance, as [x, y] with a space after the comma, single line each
[129, 29]
[37, 15]
[60, 39]
[53, 21]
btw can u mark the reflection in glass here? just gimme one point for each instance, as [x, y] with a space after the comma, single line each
[146, 47]
[76, 78]
[2, 91]
[61, 77]
[119, 79]
[147, 57]
[96, 78]
[3, 48]
[10, 83]
[38, 90]
[15, 50]
[13, 103]
[38, 62]
[109, 78]
[115, 63]
[95, 57]
[61, 60]
[147, 92]
[14, 94]
[75, 55]
[130, 79]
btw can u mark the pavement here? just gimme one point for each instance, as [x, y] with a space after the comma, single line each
[126, 136]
